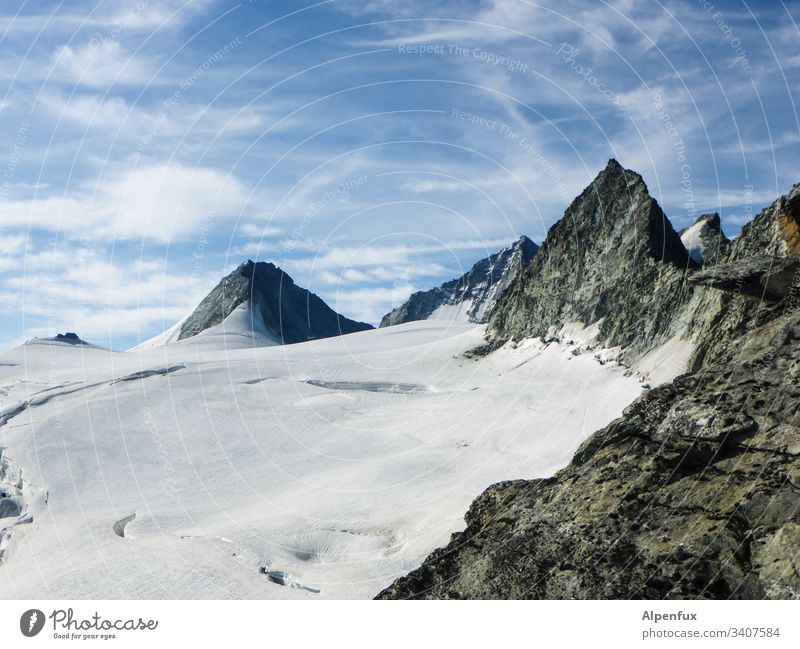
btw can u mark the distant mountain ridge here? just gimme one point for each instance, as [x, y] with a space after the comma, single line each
[472, 296]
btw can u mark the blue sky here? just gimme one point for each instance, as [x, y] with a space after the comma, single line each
[370, 148]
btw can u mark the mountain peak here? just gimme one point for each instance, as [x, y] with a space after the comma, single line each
[259, 301]
[608, 261]
[616, 173]
[617, 207]
[711, 219]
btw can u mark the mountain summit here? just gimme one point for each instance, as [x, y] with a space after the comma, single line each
[613, 262]
[261, 302]
[472, 296]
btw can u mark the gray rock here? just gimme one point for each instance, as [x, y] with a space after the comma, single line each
[775, 232]
[614, 258]
[762, 277]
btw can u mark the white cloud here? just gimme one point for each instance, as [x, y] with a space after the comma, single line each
[370, 304]
[101, 63]
[166, 201]
[147, 15]
[73, 288]
[341, 256]
[93, 110]
[161, 202]
[257, 230]
[108, 19]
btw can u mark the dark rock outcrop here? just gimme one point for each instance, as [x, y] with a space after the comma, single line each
[290, 313]
[762, 277]
[478, 289]
[70, 338]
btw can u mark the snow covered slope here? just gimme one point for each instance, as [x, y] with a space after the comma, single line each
[244, 327]
[324, 469]
[471, 297]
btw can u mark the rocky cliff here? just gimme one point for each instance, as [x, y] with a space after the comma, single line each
[695, 491]
[472, 296]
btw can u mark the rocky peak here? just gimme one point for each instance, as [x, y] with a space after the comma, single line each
[704, 240]
[289, 313]
[472, 296]
[613, 259]
[69, 338]
[617, 209]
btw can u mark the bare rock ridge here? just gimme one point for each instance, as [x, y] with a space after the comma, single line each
[695, 491]
[613, 260]
[762, 277]
[476, 291]
[290, 313]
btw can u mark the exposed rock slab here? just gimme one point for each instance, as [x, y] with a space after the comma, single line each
[762, 277]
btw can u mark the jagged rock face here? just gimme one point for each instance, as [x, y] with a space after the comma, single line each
[705, 241]
[691, 494]
[775, 231]
[761, 263]
[614, 258]
[477, 290]
[291, 313]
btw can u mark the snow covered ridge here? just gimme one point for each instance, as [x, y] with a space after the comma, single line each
[471, 297]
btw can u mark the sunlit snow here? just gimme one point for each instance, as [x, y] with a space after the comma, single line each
[319, 470]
